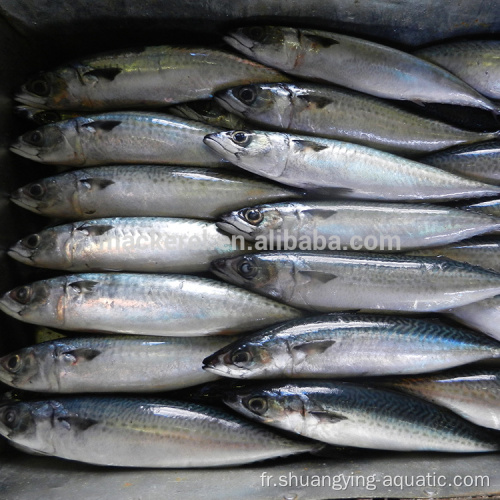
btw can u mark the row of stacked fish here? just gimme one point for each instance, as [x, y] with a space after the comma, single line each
[310, 288]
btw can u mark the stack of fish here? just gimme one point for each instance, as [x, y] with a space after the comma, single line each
[345, 217]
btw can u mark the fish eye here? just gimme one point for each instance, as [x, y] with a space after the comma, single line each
[10, 418]
[21, 294]
[248, 269]
[241, 138]
[247, 95]
[32, 241]
[257, 405]
[253, 216]
[36, 190]
[14, 363]
[241, 357]
[35, 138]
[38, 86]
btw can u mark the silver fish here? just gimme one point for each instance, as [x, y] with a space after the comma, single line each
[146, 77]
[144, 304]
[357, 225]
[348, 345]
[338, 281]
[119, 137]
[483, 316]
[472, 393]
[479, 161]
[345, 414]
[141, 244]
[343, 168]
[342, 114]
[209, 112]
[112, 363]
[476, 62]
[146, 191]
[484, 252]
[140, 432]
[355, 63]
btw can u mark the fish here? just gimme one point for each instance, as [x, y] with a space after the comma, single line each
[349, 345]
[144, 77]
[472, 393]
[140, 432]
[119, 137]
[347, 414]
[476, 62]
[483, 316]
[340, 168]
[352, 281]
[44, 116]
[355, 63]
[147, 191]
[490, 207]
[356, 225]
[482, 251]
[112, 363]
[478, 161]
[343, 114]
[144, 304]
[209, 112]
[134, 244]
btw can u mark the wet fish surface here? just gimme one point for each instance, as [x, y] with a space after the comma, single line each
[343, 114]
[146, 191]
[119, 137]
[346, 414]
[355, 63]
[144, 304]
[111, 363]
[357, 225]
[138, 244]
[476, 62]
[348, 345]
[345, 169]
[479, 161]
[483, 251]
[343, 281]
[140, 432]
[472, 393]
[144, 77]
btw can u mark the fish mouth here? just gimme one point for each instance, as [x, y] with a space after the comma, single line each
[28, 99]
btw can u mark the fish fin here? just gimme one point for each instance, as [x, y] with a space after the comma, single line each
[106, 73]
[303, 144]
[83, 286]
[106, 125]
[320, 213]
[98, 182]
[76, 422]
[328, 416]
[323, 277]
[322, 41]
[83, 354]
[319, 102]
[94, 230]
[314, 347]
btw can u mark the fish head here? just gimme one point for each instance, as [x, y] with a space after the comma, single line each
[28, 424]
[275, 46]
[56, 143]
[257, 152]
[49, 248]
[264, 102]
[243, 359]
[264, 273]
[20, 368]
[38, 303]
[50, 196]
